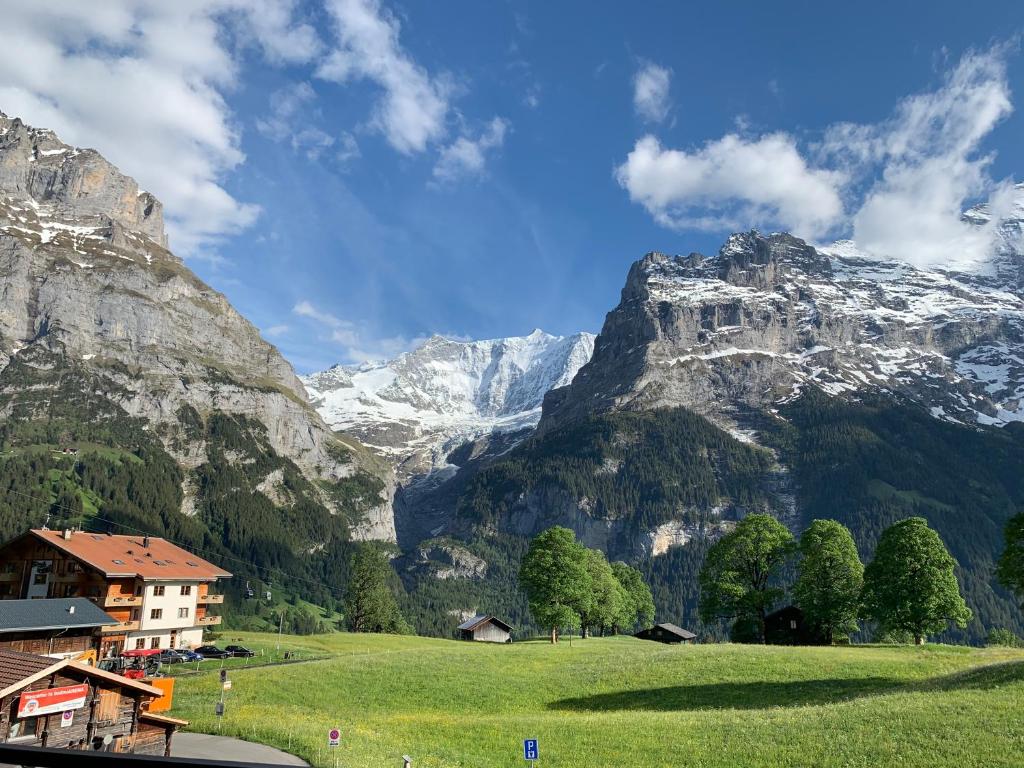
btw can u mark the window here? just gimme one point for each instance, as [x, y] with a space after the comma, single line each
[140, 643]
[22, 729]
[39, 578]
[156, 613]
[186, 589]
[183, 613]
[154, 642]
[158, 590]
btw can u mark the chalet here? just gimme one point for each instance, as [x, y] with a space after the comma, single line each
[666, 633]
[158, 592]
[786, 626]
[485, 629]
[47, 702]
[64, 627]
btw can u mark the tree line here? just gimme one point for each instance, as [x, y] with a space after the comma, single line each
[909, 587]
[570, 586]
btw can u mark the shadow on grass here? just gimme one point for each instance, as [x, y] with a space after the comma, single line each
[795, 693]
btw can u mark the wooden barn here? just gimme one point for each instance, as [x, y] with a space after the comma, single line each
[786, 626]
[46, 702]
[667, 633]
[65, 627]
[485, 629]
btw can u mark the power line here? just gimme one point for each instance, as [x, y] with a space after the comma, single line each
[269, 571]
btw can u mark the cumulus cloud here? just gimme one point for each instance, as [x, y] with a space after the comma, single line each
[143, 81]
[650, 92]
[467, 156]
[899, 186]
[732, 183]
[412, 108]
[931, 165]
[356, 343]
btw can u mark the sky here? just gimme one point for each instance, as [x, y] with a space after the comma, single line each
[356, 175]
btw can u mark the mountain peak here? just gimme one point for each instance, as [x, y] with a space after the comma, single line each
[68, 184]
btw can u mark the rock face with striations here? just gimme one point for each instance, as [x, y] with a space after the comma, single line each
[769, 316]
[85, 274]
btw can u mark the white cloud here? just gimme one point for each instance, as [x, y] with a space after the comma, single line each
[468, 157]
[357, 344]
[650, 92]
[931, 166]
[276, 330]
[899, 186]
[732, 183]
[411, 111]
[143, 82]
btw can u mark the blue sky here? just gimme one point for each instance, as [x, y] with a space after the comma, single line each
[356, 175]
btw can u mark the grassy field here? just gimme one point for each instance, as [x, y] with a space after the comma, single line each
[621, 702]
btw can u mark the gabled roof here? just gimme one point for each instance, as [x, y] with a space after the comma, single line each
[147, 558]
[477, 621]
[33, 615]
[671, 628]
[18, 670]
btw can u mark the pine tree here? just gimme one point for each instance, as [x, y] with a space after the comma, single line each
[370, 604]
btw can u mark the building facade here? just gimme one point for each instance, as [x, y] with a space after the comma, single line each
[46, 702]
[63, 628]
[158, 593]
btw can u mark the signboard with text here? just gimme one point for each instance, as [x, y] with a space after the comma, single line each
[530, 751]
[35, 703]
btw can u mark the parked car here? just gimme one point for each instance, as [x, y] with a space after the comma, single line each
[239, 650]
[192, 655]
[168, 656]
[212, 652]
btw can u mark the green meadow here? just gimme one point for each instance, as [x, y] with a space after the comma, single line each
[618, 702]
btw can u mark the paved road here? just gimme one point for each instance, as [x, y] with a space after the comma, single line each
[206, 746]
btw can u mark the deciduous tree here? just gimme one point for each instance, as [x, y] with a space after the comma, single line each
[910, 584]
[638, 603]
[1011, 565]
[556, 579]
[737, 579]
[830, 578]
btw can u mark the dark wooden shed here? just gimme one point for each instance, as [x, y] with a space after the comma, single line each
[667, 633]
[787, 626]
[485, 629]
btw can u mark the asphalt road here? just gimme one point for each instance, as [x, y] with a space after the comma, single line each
[208, 747]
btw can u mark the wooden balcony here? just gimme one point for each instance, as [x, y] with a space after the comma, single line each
[210, 599]
[208, 621]
[124, 626]
[122, 601]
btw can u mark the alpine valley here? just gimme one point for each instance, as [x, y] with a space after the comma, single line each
[772, 376]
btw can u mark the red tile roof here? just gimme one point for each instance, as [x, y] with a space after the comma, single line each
[129, 556]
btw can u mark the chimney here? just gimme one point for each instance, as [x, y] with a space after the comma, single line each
[67, 534]
[71, 609]
[145, 542]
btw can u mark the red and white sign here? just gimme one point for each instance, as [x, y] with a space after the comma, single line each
[34, 703]
[333, 737]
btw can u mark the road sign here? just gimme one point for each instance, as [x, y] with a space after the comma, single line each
[223, 675]
[220, 709]
[530, 751]
[226, 685]
[333, 737]
[67, 717]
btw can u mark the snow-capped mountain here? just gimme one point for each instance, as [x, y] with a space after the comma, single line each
[767, 316]
[424, 403]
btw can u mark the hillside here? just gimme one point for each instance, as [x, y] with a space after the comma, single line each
[624, 702]
[132, 394]
[773, 377]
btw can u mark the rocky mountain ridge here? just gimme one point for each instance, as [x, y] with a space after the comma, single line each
[769, 315]
[86, 276]
[419, 407]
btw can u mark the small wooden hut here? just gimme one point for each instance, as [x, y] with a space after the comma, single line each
[485, 629]
[667, 633]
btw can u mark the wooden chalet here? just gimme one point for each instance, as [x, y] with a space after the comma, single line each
[485, 629]
[666, 633]
[64, 704]
[68, 627]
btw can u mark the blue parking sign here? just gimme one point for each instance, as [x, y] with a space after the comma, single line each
[530, 751]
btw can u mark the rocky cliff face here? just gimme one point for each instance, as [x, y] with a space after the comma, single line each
[769, 316]
[85, 273]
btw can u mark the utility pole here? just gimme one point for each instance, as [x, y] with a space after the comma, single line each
[280, 629]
